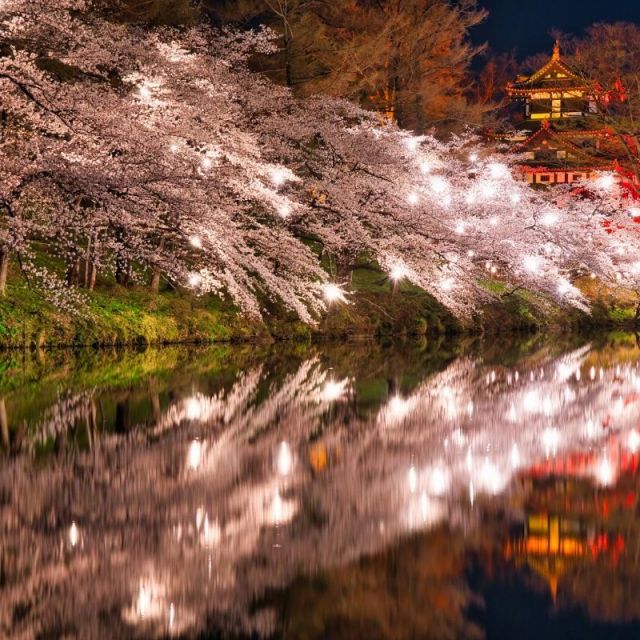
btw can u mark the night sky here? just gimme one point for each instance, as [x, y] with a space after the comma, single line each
[523, 26]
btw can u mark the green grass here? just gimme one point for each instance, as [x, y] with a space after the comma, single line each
[116, 315]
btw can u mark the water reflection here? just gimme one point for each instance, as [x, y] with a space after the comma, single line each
[186, 498]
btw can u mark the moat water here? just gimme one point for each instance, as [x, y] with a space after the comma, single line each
[435, 489]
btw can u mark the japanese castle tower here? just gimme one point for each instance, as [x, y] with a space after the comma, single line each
[557, 136]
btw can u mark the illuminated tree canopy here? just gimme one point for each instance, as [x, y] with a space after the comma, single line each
[157, 153]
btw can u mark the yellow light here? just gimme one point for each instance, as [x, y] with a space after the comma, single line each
[447, 284]
[278, 177]
[195, 280]
[284, 210]
[532, 264]
[497, 170]
[411, 144]
[439, 184]
[425, 167]
[606, 181]
[398, 272]
[333, 293]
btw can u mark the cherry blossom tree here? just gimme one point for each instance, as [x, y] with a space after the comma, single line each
[154, 154]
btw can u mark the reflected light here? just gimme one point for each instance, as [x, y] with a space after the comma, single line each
[149, 603]
[282, 511]
[438, 482]
[285, 459]
[211, 533]
[74, 535]
[550, 440]
[634, 441]
[193, 408]
[333, 390]
[398, 409]
[490, 478]
[515, 456]
[195, 454]
[412, 478]
[531, 401]
[605, 473]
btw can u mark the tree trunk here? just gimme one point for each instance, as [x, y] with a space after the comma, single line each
[122, 276]
[87, 264]
[92, 279]
[4, 424]
[4, 270]
[155, 281]
[287, 62]
[155, 277]
[73, 273]
[122, 265]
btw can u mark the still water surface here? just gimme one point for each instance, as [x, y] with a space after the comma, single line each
[443, 490]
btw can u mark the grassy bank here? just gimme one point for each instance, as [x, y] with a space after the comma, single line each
[116, 315]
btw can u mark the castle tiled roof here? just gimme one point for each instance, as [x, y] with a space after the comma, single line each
[553, 75]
